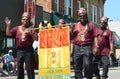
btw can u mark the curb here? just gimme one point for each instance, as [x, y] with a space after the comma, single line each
[114, 68]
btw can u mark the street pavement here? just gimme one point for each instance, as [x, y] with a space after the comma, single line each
[113, 74]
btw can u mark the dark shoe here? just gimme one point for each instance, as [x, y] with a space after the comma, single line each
[98, 77]
[103, 77]
[4, 75]
[14, 74]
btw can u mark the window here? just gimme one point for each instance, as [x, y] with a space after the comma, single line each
[10, 42]
[87, 7]
[3, 43]
[79, 5]
[94, 13]
[100, 12]
[68, 7]
[56, 7]
[65, 7]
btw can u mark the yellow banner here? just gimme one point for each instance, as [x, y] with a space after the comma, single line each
[54, 53]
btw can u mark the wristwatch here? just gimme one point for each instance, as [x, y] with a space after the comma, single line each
[111, 49]
[97, 46]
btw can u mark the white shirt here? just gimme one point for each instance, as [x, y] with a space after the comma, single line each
[35, 45]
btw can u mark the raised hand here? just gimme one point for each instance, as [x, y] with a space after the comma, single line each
[7, 21]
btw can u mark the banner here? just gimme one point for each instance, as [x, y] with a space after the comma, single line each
[54, 53]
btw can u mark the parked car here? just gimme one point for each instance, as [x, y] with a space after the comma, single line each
[116, 40]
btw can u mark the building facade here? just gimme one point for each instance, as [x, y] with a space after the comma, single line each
[69, 8]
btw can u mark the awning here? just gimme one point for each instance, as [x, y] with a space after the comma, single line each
[57, 16]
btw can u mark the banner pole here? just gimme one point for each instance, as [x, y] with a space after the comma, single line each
[56, 26]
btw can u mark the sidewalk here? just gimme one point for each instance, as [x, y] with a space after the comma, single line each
[37, 75]
[114, 68]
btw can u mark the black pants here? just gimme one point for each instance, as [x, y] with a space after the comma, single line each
[104, 59]
[83, 59]
[96, 64]
[25, 55]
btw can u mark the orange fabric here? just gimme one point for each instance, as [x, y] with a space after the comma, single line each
[54, 38]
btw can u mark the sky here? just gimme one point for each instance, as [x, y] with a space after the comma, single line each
[112, 9]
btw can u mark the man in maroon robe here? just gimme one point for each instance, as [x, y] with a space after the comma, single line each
[82, 37]
[104, 47]
[25, 36]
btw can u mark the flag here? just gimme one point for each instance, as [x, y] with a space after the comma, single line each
[54, 53]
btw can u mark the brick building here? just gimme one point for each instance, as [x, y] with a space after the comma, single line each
[69, 8]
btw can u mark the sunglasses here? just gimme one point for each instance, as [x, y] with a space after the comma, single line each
[24, 19]
[82, 15]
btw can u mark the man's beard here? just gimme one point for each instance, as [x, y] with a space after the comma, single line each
[103, 27]
[83, 21]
